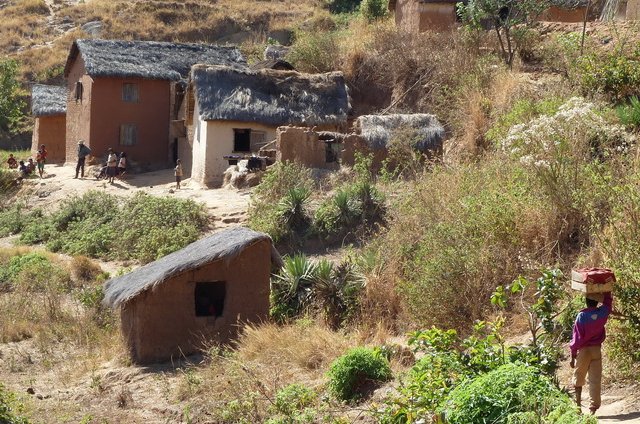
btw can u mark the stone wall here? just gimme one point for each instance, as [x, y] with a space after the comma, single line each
[302, 145]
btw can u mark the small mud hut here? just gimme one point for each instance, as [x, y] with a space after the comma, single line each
[197, 295]
[566, 11]
[378, 132]
[424, 15]
[49, 108]
[236, 112]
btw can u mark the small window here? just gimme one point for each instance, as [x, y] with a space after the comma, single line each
[128, 134]
[209, 299]
[331, 154]
[130, 93]
[79, 91]
[242, 140]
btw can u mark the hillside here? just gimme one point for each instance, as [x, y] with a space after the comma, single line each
[415, 288]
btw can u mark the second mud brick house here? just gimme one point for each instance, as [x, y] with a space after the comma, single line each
[48, 107]
[122, 94]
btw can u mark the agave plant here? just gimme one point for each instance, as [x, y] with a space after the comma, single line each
[292, 210]
[291, 287]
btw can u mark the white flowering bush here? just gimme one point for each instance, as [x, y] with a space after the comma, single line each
[576, 131]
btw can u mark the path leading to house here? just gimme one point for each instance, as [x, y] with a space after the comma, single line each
[228, 207]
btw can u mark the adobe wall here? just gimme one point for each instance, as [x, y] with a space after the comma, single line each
[302, 145]
[161, 323]
[150, 114]
[415, 16]
[633, 10]
[556, 14]
[50, 131]
[212, 141]
[78, 122]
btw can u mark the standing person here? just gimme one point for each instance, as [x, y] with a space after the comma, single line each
[586, 352]
[112, 162]
[41, 158]
[122, 164]
[83, 152]
[12, 162]
[178, 173]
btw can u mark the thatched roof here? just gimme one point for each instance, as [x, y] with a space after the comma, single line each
[378, 130]
[277, 64]
[47, 100]
[270, 97]
[148, 59]
[223, 245]
[569, 4]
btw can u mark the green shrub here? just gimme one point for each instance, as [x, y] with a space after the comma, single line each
[615, 74]
[17, 217]
[374, 9]
[629, 114]
[356, 372]
[34, 272]
[10, 408]
[281, 196]
[510, 389]
[294, 405]
[316, 52]
[342, 6]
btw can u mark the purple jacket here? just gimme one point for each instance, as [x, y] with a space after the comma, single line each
[588, 329]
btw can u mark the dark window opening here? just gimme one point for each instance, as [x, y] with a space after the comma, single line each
[79, 90]
[330, 153]
[209, 299]
[130, 93]
[241, 140]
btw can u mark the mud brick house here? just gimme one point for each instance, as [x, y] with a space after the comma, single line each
[424, 15]
[200, 294]
[232, 111]
[122, 94]
[565, 11]
[48, 107]
[378, 132]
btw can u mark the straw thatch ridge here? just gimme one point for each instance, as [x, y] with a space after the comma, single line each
[378, 130]
[48, 100]
[223, 245]
[270, 97]
[148, 59]
[569, 4]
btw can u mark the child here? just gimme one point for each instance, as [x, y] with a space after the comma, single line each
[12, 162]
[122, 164]
[30, 166]
[111, 165]
[178, 173]
[41, 157]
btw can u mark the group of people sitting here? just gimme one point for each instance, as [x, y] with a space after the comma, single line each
[28, 167]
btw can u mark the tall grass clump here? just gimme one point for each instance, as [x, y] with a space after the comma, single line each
[279, 203]
[629, 113]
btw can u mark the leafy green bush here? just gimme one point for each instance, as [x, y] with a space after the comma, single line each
[11, 104]
[10, 408]
[294, 405]
[15, 218]
[353, 374]
[342, 6]
[98, 225]
[374, 9]
[508, 390]
[34, 272]
[629, 114]
[615, 74]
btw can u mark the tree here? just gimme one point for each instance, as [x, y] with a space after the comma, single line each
[511, 20]
[11, 103]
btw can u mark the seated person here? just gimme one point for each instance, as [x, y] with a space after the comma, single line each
[31, 166]
[12, 162]
[23, 171]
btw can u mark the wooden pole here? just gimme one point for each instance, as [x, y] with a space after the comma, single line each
[584, 26]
